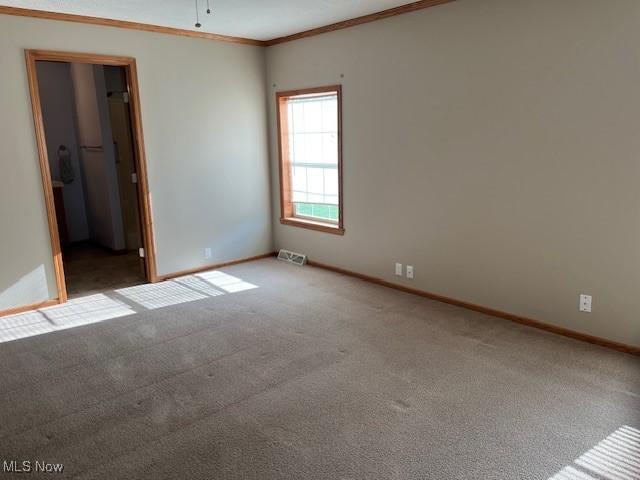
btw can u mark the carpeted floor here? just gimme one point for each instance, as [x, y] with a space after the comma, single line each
[311, 375]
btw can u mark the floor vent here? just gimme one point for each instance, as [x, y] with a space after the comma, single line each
[291, 257]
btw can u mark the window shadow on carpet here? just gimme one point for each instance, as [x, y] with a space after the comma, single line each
[617, 457]
[119, 303]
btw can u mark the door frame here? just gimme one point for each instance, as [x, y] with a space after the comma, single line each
[144, 197]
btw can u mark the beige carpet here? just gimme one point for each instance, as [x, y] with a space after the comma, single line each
[272, 371]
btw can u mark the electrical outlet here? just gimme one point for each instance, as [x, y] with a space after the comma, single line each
[410, 271]
[585, 303]
[207, 253]
[398, 269]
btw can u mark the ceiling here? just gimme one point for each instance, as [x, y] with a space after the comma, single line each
[255, 19]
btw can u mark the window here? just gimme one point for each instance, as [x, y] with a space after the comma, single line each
[310, 141]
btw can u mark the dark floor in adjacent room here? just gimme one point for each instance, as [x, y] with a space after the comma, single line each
[89, 268]
[272, 371]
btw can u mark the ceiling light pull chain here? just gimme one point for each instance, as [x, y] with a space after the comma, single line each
[198, 24]
[208, 7]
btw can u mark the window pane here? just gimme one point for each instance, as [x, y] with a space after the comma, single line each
[299, 148]
[331, 184]
[318, 211]
[313, 147]
[315, 179]
[297, 118]
[299, 184]
[312, 116]
[330, 115]
[330, 148]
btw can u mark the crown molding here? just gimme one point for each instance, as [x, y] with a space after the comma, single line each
[108, 22]
[145, 27]
[372, 17]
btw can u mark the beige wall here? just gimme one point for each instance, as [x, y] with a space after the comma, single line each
[492, 144]
[204, 119]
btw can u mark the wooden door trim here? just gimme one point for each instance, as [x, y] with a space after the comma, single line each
[129, 63]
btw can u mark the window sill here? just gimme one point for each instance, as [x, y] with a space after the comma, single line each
[310, 224]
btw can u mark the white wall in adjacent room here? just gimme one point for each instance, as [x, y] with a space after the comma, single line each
[97, 156]
[58, 112]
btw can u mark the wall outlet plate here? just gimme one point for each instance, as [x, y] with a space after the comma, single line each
[410, 271]
[398, 269]
[207, 253]
[585, 303]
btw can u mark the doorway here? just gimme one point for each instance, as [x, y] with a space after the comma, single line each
[89, 135]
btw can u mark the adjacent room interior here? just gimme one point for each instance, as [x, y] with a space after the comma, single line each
[298, 239]
[92, 168]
